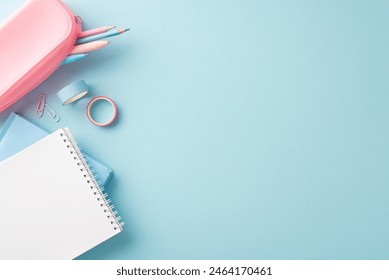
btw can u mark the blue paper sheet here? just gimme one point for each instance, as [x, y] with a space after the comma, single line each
[18, 133]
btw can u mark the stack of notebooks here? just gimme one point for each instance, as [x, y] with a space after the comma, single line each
[55, 208]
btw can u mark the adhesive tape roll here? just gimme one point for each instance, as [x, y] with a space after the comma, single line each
[92, 103]
[73, 92]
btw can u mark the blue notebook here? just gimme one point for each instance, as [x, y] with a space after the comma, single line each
[18, 133]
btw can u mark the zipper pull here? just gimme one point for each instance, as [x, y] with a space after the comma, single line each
[78, 20]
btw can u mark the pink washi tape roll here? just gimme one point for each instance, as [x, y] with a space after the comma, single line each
[90, 106]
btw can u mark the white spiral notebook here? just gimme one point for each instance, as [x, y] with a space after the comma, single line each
[52, 206]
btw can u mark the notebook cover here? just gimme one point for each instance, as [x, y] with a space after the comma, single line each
[54, 208]
[18, 133]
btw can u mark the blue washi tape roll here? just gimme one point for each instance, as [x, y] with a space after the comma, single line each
[73, 92]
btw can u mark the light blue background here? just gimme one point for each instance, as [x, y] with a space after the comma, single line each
[247, 129]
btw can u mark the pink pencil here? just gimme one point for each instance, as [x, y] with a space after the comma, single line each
[89, 47]
[95, 31]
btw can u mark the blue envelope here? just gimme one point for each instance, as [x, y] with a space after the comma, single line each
[18, 133]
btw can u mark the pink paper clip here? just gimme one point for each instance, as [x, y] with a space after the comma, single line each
[43, 107]
[40, 107]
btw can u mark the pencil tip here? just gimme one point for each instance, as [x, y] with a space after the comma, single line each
[122, 30]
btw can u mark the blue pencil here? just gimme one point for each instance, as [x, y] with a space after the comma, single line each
[101, 36]
[73, 58]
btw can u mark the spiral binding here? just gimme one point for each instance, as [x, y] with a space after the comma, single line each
[92, 180]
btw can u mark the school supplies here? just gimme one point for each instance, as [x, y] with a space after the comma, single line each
[54, 208]
[40, 107]
[57, 29]
[52, 114]
[89, 47]
[95, 31]
[76, 91]
[73, 58]
[73, 92]
[18, 134]
[92, 103]
[43, 107]
[101, 36]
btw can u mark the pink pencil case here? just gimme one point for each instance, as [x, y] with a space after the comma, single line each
[34, 42]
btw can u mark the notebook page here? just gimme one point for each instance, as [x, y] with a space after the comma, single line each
[48, 210]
